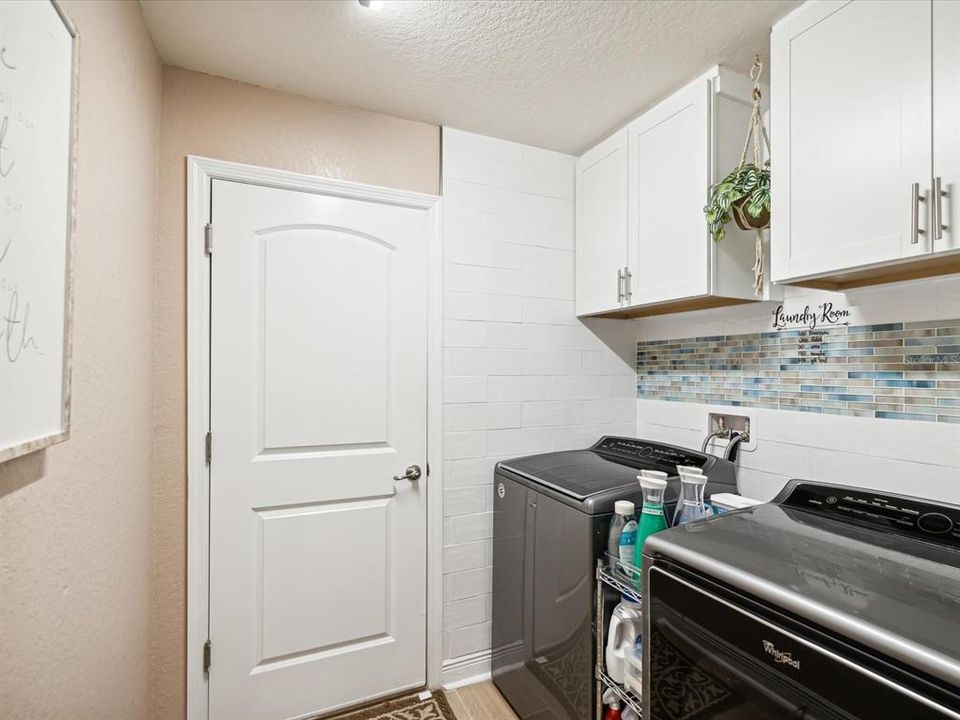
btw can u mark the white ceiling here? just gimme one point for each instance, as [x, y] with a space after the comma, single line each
[558, 74]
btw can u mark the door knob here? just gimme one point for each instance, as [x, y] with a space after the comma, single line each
[412, 474]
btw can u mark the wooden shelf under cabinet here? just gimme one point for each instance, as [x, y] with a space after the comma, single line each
[676, 306]
[912, 270]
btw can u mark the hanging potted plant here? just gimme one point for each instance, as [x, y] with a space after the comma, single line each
[744, 195]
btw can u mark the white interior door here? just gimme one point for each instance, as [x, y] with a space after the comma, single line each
[318, 399]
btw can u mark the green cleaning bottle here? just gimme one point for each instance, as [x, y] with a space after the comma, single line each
[652, 519]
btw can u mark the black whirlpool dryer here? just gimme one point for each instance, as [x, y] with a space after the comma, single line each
[829, 603]
[551, 517]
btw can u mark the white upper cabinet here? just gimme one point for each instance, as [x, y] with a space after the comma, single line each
[946, 125]
[601, 227]
[643, 246]
[669, 181]
[865, 108]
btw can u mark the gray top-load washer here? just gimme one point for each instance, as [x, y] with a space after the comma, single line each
[551, 518]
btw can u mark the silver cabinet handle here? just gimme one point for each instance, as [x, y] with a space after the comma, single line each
[412, 474]
[619, 285]
[938, 196]
[915, 200]
[627, 277]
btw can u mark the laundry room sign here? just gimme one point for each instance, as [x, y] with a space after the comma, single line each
[825, 314]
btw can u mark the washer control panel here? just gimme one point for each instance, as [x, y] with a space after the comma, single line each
[644, 453]
[920, 518]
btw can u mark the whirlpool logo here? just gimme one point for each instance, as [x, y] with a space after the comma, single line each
[781, 657]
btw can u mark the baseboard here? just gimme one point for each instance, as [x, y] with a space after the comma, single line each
[466, 670]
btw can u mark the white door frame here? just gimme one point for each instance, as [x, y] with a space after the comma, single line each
[200, 174]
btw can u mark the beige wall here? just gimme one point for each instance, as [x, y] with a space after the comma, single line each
[204, 115]
[75, 519]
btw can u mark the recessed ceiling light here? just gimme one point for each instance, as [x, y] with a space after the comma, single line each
[372, 4]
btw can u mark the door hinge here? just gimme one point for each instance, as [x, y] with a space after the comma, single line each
[208, 238]
[208, 447]
[206, 656]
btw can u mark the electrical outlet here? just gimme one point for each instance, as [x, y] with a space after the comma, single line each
[723, 424]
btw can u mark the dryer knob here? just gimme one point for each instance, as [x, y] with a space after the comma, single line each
[935, 523]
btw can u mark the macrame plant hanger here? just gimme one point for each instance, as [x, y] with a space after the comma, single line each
[758, 133]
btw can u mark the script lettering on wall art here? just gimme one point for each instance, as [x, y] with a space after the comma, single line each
[825, 314]
[810, 346]
[16, 336]
[37, 55]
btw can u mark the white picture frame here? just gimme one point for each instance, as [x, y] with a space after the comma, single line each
[35, 399]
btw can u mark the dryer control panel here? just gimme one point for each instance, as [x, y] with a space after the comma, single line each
[925, 519]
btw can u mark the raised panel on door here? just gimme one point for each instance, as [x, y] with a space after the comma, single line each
[295, 542]
[601, 224]
[946, 121]
[669, 182]
[344, 361]
[318, 398]
[852, 113]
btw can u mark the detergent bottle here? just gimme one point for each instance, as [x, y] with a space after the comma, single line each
[623, 635]
[652, 519]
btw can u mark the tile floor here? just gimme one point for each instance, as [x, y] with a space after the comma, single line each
[479, 702]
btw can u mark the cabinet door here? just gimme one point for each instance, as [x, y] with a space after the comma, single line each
[946, 122]
[851, 106]
[669, 182]
[601, 242]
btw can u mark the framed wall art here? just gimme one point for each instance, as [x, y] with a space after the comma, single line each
[38, 108]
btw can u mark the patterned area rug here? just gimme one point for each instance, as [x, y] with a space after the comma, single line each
[410, 707]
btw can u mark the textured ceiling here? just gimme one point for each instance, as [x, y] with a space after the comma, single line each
[560, 74]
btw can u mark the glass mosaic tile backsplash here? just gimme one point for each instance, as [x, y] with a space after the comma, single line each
[908, 371]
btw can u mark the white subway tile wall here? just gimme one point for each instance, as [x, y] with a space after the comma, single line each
[913, 458]
[922, 459]
[521, 374]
